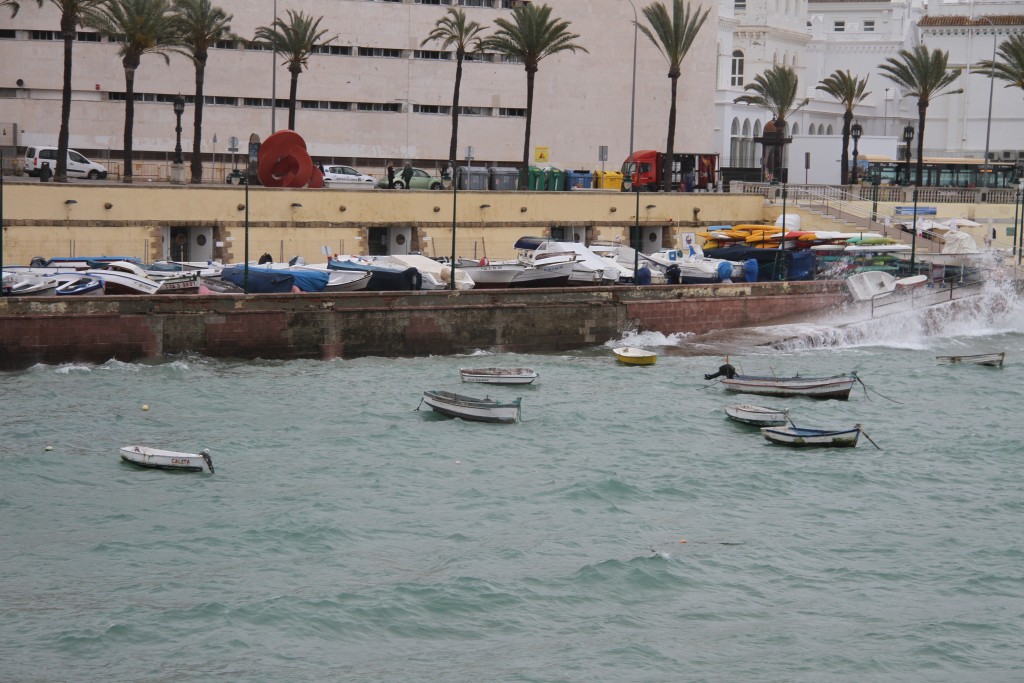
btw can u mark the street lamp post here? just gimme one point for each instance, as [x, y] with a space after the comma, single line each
[855, 132]
[273, 73]
[988, 122]
[632, 167]
[453, 172]
[908, 137]
[179, 109]
[1, 221]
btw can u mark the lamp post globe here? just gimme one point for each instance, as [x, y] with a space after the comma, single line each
[855, 132]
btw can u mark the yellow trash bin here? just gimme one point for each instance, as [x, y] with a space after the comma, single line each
[608, 180]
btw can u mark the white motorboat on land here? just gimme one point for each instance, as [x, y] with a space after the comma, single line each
[78, 285]
[124, 277]
[801, 436]
[477, 409]
[489, 274]
[544, 274]
[155, 458]
[436, 275]
[759, 416]
[589, 270]
[695, 268]
[498, 375]
[29, 285]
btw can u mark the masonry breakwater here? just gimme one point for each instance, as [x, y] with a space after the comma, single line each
[389, 324]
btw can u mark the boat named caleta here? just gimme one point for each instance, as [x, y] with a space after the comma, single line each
[154, 458]
[476, 409]
[835, 386]
[498, 375]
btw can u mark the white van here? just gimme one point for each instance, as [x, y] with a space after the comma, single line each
[78, 165]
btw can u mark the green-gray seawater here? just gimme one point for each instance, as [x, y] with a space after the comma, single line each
[348, 536]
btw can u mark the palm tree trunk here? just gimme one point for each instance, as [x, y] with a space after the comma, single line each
[453, 149]
[524, 178]
[671, 142]
[293, 93]
[844, 171]
[129, 121]
[197, 123]
[922, 110]
[67, 29]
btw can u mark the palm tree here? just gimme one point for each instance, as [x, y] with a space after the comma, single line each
[453, 30]
[924, 74]
[1011, 67]
[775, 90]
[530, 36]
[72, 14]
[673, 36]
[295, 39]
[199, 25]
[138, 27]
[850, 91]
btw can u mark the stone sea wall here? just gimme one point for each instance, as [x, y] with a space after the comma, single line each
[390, 324]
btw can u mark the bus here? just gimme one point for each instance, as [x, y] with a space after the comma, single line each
[940, 172]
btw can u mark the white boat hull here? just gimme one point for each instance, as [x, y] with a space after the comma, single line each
[991, 359]
[498, 375]
[796, 436]
[468, 408]
[155, 458]
[837, 387]
[758, 416]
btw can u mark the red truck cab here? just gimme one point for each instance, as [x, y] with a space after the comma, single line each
[690, 172]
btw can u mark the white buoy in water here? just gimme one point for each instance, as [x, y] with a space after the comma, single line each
[48, 448]
[145, 406]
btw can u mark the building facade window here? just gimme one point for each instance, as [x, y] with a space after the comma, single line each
[332, 49]
[511, 111]
[431, 109]
[737, 68]
[379, 106]
[839, 26]
[739, 6]
[431, 54]
[379, 52]
[869, 26]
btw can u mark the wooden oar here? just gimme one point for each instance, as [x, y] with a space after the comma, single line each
[868, 437]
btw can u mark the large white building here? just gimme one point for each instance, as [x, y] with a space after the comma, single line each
[376, 95]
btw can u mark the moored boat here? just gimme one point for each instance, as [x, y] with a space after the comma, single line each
[487, 409]
[759, 416]
[994, 360]
[629, 355]
[835, 386]
[155, 458]
[801, 436]
[498, 375]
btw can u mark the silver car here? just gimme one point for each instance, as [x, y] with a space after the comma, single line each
[345, 174]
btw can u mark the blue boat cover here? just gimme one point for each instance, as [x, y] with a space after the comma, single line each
[261, 280]
[306, 280]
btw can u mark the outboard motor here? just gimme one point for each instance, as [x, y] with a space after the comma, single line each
[725, 271]
[726, 371]
[672, 275]
[266, 258]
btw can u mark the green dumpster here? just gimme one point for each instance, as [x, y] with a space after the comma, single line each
[535, 179]
[556, 180]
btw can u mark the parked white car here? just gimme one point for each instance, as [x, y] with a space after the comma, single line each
[345, 174]
[78, 165]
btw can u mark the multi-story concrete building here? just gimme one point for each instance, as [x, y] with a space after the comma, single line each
[375, 95]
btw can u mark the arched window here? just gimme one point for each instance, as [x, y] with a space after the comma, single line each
[752, 146]
[737, 68]
[829, 131]
[775, 58]
[796, 129]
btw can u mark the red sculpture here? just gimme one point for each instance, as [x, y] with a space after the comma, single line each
[284, 162]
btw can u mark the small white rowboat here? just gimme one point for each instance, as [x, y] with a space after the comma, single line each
[800, 436]
[476, 409]
[144, 456]
[498, 375]
[759, 416]
[837, 386]
[994, 360]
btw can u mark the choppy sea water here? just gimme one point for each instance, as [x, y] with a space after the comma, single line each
[348, 536]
